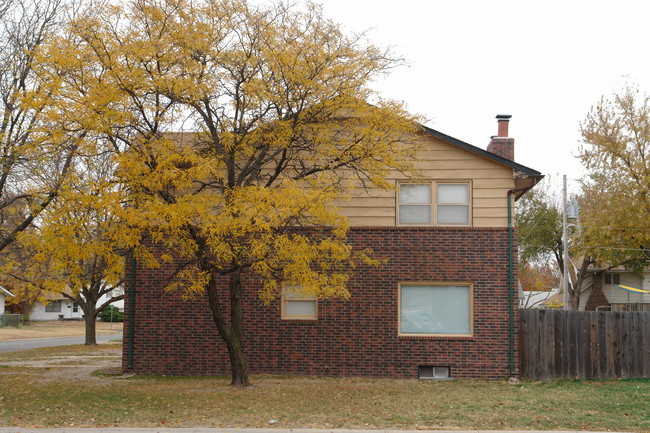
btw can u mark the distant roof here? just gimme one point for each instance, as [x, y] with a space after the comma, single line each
[5, 291]
[477, 150]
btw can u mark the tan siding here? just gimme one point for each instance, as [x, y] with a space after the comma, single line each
[369, 221]
[373, 211]
[440, 161]
[490, 222]
[369, 202]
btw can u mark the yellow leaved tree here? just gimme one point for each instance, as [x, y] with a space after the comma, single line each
[75, 243]
[277, 102]
[615, 208]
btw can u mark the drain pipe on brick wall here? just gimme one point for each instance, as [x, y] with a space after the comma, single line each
[131, 312]
[511, 278]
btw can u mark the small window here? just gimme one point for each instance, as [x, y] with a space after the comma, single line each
[433, 372]
[612, 279]
[53, 307]
[297, 305]
[435, 309]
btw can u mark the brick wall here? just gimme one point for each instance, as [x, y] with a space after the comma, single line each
[596, 296]
[358, 337]
[504, 147]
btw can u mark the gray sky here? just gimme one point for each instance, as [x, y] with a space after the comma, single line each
[544, 62]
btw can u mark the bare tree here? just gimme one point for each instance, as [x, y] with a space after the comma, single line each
[35, 151]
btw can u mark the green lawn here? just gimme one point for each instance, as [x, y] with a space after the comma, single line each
[43, 397]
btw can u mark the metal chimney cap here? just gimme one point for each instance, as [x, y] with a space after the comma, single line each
[504, 116]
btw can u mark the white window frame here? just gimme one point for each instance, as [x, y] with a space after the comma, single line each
[300, 297]
[433, 194]
[470, 307]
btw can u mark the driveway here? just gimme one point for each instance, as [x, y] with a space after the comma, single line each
[15, 345]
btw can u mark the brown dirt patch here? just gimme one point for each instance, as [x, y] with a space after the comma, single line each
[69, 362]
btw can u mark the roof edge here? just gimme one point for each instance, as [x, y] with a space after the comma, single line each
[484, 153]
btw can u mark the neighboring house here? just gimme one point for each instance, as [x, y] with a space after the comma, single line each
[58, 307]
[440, 307]
[55, 307]
[601, 290]
[115, 292]
[4, 293]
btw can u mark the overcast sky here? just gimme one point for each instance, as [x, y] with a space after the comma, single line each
[544, 62]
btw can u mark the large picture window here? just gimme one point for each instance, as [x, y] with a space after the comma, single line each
[435, 309]
[434, 203]
[297, 305]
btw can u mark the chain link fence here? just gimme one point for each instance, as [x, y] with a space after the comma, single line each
[9, 320]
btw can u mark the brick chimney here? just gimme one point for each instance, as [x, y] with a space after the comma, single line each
[501, 144]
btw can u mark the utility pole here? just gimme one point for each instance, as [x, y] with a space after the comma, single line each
[565, 252]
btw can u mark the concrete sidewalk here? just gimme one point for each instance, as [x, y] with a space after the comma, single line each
[257, 430]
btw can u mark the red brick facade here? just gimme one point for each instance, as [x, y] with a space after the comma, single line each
[596, 297]
[504, 147]
[350, 338]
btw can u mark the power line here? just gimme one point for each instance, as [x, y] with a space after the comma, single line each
[540, 247]
[617, 228]
[613, 248]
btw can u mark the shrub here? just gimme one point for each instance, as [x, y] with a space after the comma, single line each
[105, 315]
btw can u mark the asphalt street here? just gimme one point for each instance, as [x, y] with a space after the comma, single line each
[15, 345]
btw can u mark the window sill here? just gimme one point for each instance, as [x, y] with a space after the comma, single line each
[436, 337]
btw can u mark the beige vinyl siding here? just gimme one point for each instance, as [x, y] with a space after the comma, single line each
[619, 296]
[440, 161]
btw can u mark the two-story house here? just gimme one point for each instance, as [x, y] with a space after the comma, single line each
[442, 306]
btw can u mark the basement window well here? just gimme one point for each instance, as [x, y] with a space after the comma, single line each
[434, 372]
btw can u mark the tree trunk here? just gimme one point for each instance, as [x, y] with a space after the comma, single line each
[232, 335]
[90, 318]
[580, 279]
[91, 339]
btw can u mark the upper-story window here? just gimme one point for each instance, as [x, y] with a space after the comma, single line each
[612, 279]
[434, 203]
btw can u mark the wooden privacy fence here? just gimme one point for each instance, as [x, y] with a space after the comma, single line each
[584, 344]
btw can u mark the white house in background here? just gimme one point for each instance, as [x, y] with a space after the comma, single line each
[58, 307]
[115, 292]
[4, 293]
[536, 299]
[601, 291]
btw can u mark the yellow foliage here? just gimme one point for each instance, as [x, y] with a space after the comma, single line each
[615, 208]
[75, 245]
[277, 97]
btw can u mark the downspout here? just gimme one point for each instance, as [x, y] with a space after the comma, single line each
[511, 279]
[131, 312]
[511, 296]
